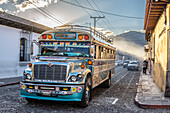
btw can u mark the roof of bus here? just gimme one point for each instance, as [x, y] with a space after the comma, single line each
[102, 41]
[85, 30]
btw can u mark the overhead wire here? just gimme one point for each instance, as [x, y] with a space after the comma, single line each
[92, 7]
[96, 12]
[108, 13]
[106, 18]
[85, 10]
[45, 12]
[107, 21]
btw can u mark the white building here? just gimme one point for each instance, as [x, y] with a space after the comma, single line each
[16, 47]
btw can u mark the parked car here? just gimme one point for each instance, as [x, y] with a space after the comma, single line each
[133, 65]
[126, 62]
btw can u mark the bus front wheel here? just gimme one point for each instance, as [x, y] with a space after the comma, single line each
[30, 100]
[86, 94]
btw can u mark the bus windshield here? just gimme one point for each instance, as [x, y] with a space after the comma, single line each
[77, 49]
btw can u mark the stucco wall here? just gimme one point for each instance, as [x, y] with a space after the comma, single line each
[160, 34]
[10, 50]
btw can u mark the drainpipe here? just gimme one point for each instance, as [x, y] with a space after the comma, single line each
[167, 90]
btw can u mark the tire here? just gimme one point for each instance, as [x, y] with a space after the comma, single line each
[86, 94]
[107, 83]
[30, 100]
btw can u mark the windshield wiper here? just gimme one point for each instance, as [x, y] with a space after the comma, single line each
[80, 54]
[58, 54]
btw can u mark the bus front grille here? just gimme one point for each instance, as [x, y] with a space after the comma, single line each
[55, 72]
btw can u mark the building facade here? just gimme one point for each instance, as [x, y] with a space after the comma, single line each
[157, 23]
[16, 46]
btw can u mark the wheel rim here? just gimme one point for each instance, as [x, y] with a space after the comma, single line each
[87, 93]
[109, 81]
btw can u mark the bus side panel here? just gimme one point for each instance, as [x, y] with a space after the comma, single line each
[101, 70]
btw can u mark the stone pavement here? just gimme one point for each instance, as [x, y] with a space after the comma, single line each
[149, 95]
[10, 81]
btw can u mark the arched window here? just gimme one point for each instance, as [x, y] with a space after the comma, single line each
[23, 49]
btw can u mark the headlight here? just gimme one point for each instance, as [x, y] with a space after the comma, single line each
[74, 78]
[79, 77]
[28, 76]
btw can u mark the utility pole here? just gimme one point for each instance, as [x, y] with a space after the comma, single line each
[95, 20]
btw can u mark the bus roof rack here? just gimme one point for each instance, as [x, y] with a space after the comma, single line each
[99, 36]
[84, 28]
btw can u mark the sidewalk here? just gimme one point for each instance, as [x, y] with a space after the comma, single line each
[10, 81]
[149, 95]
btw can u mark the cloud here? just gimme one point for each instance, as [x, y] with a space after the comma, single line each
[126, 31]
[15, 1]
[33, 4]
[3, 1]
[141, 31]
[1, 10]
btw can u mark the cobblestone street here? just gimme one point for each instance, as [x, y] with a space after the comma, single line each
[118, 98]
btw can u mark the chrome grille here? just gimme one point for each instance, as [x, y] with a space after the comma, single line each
[55, 72]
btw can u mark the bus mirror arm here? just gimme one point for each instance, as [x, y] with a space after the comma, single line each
[35, 42]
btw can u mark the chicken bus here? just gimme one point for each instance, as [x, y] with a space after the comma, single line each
[72, 60]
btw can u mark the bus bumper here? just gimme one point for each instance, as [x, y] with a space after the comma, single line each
[60, 95]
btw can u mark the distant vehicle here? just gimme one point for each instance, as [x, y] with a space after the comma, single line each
[126, 62]
[116, 63]
[133, 65]
[120, 62]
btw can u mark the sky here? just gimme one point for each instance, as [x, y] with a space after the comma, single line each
[120, 15]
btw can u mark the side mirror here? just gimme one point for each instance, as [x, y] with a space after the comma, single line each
[35, 42]
[92, 51]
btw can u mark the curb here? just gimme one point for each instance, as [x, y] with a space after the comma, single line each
[9, 84]
[151, 106]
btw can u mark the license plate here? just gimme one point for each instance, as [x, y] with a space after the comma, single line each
[46, 93]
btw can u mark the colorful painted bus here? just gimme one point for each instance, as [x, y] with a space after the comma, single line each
[72, 61]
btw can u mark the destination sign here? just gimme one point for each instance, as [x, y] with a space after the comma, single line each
[65, 36]
[65, 44]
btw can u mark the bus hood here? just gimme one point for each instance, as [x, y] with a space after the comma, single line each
[56, 59]
[52, 58]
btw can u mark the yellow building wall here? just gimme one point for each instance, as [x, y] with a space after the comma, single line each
[161, 50]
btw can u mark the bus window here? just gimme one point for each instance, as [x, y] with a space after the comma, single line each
[99, 52]
[65, 49]
[95, 51]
